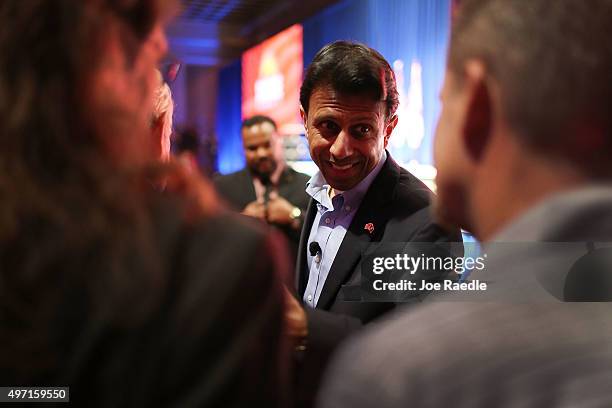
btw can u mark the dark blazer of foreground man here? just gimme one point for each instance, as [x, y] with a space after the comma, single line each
[129, 297]
[523, 151]
[348, 108]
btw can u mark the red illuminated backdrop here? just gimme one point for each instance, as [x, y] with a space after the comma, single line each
[271, 79]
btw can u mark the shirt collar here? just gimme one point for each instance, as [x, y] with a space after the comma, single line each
[276, 174]
[317, 187]
[540, 222]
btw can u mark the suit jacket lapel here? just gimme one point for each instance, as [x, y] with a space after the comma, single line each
[249, 188]
[371, 210]
[285, 183]
[301, 269]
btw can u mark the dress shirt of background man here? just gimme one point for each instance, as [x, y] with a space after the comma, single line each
[523, 151]
[267, 188]
[359, 195]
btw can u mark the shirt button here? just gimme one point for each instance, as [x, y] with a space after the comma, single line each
[327, 220]
[347, 208]
[309, 298]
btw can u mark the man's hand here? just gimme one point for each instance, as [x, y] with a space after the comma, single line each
[295, 318]
[256, 210]
[181, 176]
[279, 211]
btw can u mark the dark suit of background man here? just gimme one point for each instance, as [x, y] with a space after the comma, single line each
[359, 195]
[523, 150]
[267, 188]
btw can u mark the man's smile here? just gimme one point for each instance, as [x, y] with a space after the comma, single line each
[342, 166]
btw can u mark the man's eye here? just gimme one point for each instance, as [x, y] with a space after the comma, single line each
[329, 126]
[362, 130]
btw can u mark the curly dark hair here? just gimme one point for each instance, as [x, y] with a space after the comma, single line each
[353, 69]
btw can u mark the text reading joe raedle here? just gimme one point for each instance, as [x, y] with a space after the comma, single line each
[403, 272]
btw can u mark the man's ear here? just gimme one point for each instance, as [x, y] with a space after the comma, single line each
[391, 124]
[304, 119]
[477, 129]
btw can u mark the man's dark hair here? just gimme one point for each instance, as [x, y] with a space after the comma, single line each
[552, 62]
[256, 120]
[351, 69]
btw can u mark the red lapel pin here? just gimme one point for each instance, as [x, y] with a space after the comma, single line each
[369, 227]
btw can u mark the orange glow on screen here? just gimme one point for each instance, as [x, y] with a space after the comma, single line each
[271, 79]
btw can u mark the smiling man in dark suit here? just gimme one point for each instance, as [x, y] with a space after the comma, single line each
[360, 195]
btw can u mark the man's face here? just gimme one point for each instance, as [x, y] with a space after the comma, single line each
[452, 179]
[346, 135]
[262, 148]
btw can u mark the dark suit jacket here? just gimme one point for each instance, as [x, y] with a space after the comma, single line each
[189, 347]
[513, 345]
[398, 205]
[237, 188]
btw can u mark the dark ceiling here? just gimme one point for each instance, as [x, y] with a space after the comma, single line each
[229, 11]
[216, 32]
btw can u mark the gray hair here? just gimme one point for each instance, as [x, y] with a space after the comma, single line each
[552, 61]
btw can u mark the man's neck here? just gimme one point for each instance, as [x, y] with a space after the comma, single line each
[272, 178]
[502, 200]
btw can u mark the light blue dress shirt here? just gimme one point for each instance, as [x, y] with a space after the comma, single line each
[333, 218]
